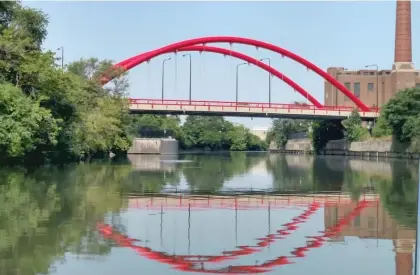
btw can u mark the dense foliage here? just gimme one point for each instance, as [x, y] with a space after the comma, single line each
[215, 133]
[54, 114]
[402, 115]
[205, 133]
[282, 128]
[353, 126]
[48, 113]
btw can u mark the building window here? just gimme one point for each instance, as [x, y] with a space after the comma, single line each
[371, 222]
[418, 85]
[348, 87]
[370, 87]
[357, 89]
[356, 221]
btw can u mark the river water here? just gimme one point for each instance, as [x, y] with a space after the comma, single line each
[226, 213]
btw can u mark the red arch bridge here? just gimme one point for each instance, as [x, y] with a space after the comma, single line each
[314, 110]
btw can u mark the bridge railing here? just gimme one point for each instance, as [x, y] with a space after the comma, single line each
[177, 102]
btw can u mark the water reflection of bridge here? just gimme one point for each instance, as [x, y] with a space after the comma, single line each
[374, 222]
[258, 201]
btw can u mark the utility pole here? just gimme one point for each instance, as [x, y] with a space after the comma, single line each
[163, 76]
[62, 56]
[269, 80]
[189, 55]
[237, 79]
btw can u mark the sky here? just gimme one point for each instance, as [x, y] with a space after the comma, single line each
[347, 34]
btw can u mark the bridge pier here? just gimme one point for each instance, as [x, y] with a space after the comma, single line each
[154, 146]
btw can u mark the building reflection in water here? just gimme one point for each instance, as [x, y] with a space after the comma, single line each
[374, 222]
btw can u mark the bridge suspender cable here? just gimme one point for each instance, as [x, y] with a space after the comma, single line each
[147, 56]
[247, 41]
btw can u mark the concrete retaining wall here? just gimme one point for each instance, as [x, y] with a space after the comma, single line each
[299, 144]
[154, 146]
[293, 145]
[371, 145]
[370, 148]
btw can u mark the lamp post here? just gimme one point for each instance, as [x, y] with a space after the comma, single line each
[62, 56]
[237, 79]
[377, 82]
[269, 80]
[189, 55]
[163, 75]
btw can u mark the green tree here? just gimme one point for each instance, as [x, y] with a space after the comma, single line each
[209, 133]
[24, 125]
[282, 128]
[401, 113]
[49, 114]
[216, 133]
[238, 137]
[381, 128]
[353, 126]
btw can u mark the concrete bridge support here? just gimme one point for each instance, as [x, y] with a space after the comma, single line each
[154, 146]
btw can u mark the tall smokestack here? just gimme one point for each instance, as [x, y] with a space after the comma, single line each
[403, 52]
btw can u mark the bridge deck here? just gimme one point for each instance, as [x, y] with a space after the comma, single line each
[249, 109]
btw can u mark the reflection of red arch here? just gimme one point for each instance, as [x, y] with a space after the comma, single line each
[190, 265]
[244, 57]
[134, 61]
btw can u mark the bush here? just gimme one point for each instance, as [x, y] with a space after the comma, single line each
[401, 113]
[353, 125]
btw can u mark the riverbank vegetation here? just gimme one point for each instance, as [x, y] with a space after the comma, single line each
[281, 129]
[201, 133]
[399, 121]
[50, 113]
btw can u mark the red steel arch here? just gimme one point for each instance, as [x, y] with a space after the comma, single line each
[131, 62]
[147, 56]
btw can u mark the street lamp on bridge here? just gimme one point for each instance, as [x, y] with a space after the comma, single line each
[163, 75]
[62, 56]
[377, 82]
[237, 79]
[189, 55]
[269, 80]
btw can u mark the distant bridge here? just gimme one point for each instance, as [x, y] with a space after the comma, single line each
[247, 109]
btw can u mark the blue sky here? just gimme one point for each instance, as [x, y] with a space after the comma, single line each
[348, 34]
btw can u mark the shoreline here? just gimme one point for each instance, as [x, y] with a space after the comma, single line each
[362, 154]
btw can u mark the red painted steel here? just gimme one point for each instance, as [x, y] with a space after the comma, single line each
[255, 62]
[136, 60]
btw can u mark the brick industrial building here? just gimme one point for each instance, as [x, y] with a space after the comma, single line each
[375, 87]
